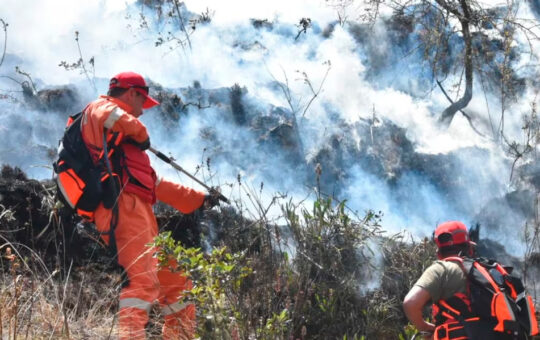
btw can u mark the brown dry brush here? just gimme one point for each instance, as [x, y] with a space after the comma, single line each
[53, 283]
[317, 267]
[321, 273]
[404, 260]
[332, 263]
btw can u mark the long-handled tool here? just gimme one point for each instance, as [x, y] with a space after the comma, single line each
[166, 159]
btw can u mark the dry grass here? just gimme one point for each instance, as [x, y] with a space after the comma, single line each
[39, 304]
[323, 273]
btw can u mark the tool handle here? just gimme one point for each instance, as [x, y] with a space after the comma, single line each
[166, 159]
[160, 155]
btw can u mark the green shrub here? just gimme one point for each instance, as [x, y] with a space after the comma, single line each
[265, 293]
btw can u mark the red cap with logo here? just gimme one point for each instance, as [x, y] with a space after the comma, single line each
[451, 233]
[134, 80]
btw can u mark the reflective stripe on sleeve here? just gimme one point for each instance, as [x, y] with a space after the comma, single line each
[115, 114]
[135, 303]
[173, 308]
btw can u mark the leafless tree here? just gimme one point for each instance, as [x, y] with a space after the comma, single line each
[463, 14]
[477, 25]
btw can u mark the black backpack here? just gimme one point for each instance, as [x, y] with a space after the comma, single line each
[496, 305]
[498, 295]
[82, 183]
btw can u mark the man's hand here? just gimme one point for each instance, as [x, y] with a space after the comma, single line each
[413, 304]
[211, 199]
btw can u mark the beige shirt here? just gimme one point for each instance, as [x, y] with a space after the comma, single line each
[442, 280]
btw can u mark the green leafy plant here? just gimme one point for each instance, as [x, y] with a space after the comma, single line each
[331, 264]
[217, 278]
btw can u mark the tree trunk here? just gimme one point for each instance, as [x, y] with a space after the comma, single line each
[464, 19]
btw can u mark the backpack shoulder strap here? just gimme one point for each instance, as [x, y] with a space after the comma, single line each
[468, 264]
[73, 118]
[464, 263]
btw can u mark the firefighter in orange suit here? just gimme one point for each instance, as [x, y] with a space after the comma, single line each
[134, 223]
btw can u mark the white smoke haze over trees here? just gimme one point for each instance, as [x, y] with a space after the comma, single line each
[268, 90]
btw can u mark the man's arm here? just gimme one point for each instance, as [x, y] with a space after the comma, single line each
[119, 120]
[182, 198]
[413, 304]
[101, 114]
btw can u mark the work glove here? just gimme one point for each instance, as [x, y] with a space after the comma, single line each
[211, 199]
[143, 146]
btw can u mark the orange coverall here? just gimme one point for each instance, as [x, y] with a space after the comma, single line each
[136, 228]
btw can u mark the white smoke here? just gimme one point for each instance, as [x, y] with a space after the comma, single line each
[228, 51]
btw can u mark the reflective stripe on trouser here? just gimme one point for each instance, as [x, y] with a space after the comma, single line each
[179, 316]
[180, 325]
[173, 308]
[136, 228]
[131, 322]
[132, 313]
[135, 303]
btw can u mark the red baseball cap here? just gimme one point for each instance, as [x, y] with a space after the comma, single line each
[134, 80]
[451, 233]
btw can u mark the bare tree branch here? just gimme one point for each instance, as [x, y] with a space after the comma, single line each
[484, 90]
[449, 112]
[531, 128]
[30, 83]
[315, 94]
[4, 27]
[304, 24]
[462, 112]
[83, 66]
[285, 88]
[181, 20]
